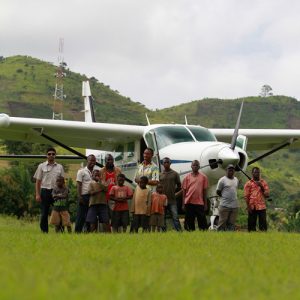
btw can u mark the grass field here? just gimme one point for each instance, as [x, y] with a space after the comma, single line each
[147, 266]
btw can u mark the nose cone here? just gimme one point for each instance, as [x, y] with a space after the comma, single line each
[228, 156]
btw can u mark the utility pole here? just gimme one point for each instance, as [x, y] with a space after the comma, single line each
[59, 86]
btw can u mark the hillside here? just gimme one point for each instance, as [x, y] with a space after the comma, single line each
[258, 112]
[27, 87]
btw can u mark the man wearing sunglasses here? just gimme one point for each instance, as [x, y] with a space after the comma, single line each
[45, 176]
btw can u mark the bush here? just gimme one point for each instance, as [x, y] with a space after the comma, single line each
[293, 224]
[17, 192]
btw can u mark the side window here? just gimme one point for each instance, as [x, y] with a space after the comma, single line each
[149, 140]
[130, 149]
[119, 153]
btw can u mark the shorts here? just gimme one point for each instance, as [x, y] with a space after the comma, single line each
[60, 217]
[97, 213]
[140, 221]
[157, 220]
[120, 218]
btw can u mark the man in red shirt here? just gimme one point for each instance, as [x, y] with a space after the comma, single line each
[256, 191]
[194, 188]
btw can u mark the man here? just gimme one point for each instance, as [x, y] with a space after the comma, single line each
[83, 179]
[228, 208]
[256, 191]
[170, 181]
[194, 188]
[46, 175]
[109, 174]
[149, 169]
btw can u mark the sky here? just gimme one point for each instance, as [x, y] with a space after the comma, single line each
[164, 52]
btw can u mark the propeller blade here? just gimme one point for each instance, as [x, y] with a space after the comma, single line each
[236, 130]
[238, 167]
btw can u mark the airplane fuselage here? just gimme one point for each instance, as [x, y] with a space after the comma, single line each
[182, 144]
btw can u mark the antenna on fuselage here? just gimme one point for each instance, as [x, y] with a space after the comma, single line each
[147, 119]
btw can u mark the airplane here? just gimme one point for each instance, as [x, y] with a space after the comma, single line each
[214, 148]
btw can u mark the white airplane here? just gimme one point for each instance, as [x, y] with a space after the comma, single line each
[214, 148]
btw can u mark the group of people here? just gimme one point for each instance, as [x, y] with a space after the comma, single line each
[103, 197]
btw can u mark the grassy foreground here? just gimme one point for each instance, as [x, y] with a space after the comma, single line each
[147, 266]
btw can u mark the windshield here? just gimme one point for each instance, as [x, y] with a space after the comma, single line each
[169, 135]
[202, 134]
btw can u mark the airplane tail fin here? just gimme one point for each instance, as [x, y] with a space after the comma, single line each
[89, 114]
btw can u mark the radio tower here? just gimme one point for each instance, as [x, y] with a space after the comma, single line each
[59, 86]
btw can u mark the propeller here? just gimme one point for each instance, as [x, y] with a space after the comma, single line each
[227, 155]
[236, 130]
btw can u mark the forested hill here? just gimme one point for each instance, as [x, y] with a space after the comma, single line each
[258, 112]
[27, 88]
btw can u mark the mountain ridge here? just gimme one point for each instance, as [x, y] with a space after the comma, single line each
[27, 87]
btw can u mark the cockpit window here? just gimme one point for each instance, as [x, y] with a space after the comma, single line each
[202, 134]
[169, 135]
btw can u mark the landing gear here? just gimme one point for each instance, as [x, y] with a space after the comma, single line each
[213, 225]
[214, 218]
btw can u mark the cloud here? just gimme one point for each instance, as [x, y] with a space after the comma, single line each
[163, 53]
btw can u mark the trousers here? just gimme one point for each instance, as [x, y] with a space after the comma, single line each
[262, 220]
[227, 218]
[46, 202]
[192, 212]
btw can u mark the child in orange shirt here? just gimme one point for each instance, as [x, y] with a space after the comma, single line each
[157, 213]
[120, 193]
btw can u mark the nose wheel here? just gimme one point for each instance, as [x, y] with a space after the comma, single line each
[213, 225]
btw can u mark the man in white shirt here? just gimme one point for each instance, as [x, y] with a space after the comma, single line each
[83, 179]
[46, 175]
[228, 208]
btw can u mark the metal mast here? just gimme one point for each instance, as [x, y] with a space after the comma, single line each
[59, 87]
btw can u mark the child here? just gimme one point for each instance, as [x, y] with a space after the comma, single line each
[140, 206]
[157, 213]
[120, 194]
[60, 216]
[98, 209]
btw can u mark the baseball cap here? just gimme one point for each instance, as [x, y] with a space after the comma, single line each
[230, 167]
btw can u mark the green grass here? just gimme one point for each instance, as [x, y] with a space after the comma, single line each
[146, 266]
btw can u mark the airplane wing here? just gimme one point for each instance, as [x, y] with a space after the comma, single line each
[102, 136]
[261, 139]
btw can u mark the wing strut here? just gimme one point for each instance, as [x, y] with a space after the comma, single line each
[158, 157]
[63, 145]
[70, 149]
[271, 151]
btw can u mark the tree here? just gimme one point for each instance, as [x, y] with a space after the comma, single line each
[266, 91]
[17, 191]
